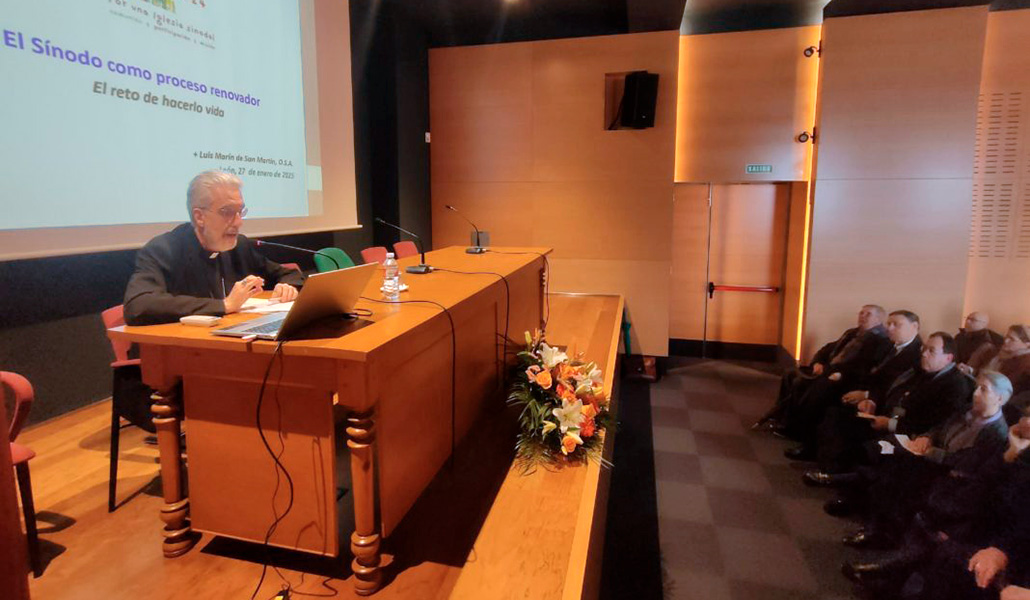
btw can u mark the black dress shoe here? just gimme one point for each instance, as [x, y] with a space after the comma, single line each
[838, 507]
[800, 453]
[864, 572]
[867, 538]
[817, 479]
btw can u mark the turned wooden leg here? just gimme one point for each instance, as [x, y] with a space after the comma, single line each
[178, 535]
[364, 542]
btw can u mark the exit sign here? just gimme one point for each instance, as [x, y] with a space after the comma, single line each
[758, 169]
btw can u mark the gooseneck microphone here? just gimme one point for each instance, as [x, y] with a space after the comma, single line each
[298, 249]
[477, 249]
[420, 269]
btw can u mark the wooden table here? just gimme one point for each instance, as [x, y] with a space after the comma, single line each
[391, 380]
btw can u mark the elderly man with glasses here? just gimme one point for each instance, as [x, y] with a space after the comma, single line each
[204, 267]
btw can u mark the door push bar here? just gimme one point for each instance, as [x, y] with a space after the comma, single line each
[765, 289]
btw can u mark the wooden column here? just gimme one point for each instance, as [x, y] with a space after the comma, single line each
[167, 410]
[364, 542]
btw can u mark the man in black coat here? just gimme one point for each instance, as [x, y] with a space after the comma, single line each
[972, 339]
[841, 427]
[855, 351]
[917, 401]
[204, 267]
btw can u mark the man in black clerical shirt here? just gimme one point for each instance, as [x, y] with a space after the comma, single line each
[204, 267]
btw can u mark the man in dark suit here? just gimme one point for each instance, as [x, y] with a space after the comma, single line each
[855, 350]
[917, 401]
[841, 426]
[972, 525]
[957, 448]
[976, 339]
[204, 267]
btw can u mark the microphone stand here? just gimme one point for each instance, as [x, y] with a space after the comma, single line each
[299, 249]
[420, 269]
[477, 249]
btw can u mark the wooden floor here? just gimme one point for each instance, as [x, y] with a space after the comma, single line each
[91, 554]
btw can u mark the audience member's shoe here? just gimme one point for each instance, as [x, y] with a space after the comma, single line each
[867, 538]
[766, 424]
[888, 566]
[781, 432]
[800, 453]
[838, 507]
[824, 479]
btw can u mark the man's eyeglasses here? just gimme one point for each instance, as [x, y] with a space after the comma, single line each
[229, 213]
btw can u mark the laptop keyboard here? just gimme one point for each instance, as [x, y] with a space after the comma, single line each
[271, 327]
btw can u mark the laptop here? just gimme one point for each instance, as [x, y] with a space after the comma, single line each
[329, 294]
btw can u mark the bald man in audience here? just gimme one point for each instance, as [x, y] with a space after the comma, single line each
[976, 340]
[204, 267]
[855, 351]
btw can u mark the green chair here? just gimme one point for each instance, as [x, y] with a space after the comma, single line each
[323, 263]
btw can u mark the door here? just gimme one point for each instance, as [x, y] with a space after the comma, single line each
[729, 257]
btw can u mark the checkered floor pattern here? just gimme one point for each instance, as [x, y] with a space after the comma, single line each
[735, 521]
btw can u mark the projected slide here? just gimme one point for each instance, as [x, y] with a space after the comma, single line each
[109, 107]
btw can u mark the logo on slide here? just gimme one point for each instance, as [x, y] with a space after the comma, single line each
[168, 5]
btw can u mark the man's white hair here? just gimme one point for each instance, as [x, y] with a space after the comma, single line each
[198, 194]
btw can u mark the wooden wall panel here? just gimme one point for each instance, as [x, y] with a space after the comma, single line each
[743, 97]
[892, 185]
[898, 92]
[795, 274]
[519, 145]
[999, 253]
[688, 281]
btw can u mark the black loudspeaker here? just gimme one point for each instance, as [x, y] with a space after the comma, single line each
[639, 99]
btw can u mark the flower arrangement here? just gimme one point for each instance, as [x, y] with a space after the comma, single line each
[564, 408]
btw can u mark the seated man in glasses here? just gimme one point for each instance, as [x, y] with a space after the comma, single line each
[204, 267]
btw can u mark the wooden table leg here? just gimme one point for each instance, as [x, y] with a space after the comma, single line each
[178, 534]
[364, 542]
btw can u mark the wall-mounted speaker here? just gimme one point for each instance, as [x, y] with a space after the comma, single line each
[639, 100]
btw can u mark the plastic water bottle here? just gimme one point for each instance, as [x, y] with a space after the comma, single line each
[391, 278]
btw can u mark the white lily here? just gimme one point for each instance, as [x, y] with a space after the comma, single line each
[549, 426]
[551, 356]
[570, 415]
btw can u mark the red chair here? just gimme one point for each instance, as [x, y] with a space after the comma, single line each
[130, 397]
[21, 390]
[405, 249]
[375, 254]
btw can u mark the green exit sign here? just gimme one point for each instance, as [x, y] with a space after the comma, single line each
[758, 169]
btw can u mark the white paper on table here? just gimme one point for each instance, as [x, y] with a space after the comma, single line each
[886, 447]
[864, 415]
[260, 305]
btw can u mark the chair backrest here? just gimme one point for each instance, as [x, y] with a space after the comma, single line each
[21, 390]
[375, 254]
[405, 248]
[114, 317]
[324, 263]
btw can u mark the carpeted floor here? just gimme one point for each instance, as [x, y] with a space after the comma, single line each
[735, 521]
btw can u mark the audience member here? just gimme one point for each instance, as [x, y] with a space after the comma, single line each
[976, 343]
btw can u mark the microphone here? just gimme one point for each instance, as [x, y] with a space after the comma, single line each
[477, 249]
[297, 248]
[420, 269]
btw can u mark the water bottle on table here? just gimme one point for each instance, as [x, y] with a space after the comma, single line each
[391, 278]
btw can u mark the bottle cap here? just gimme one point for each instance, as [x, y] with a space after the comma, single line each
[389, 255]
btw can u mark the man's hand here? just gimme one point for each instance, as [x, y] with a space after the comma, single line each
[243, 290]
[986, 564]
[835, 376]
[817, 369]
[880, 423]
[867, 406]
[920, 445]
[1014, 592]
[284, 292]
[965, 369]
[853, 397]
